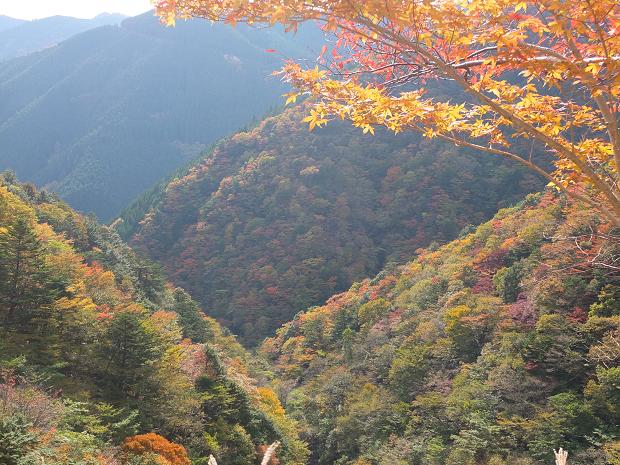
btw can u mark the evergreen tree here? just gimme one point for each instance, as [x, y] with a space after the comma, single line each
[194, 326]
[16, 439]
[26, 285]
[128, 354]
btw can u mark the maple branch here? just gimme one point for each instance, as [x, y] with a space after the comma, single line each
[430, 49]
[449, 70]
[610, 118]
[512, 156]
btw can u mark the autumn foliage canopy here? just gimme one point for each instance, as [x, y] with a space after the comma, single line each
[153, 444]
[536, 75]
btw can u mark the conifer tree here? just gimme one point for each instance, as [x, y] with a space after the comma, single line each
[128, 354]
[194, 326]
[26, 285]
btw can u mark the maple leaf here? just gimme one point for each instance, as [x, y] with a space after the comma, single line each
[383, 44]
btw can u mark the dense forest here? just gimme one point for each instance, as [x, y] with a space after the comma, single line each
[137, 102]
[277, 219]
[491, 350]
[104, 362]
[416, 262]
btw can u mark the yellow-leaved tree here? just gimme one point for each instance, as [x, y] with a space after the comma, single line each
[543, 70]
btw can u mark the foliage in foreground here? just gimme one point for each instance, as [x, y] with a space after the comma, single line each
[103, 362]
[492, 350]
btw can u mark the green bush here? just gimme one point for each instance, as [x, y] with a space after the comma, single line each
[16, 439]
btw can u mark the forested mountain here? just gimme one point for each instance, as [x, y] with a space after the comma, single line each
[106, 114]
[102, 362]
[494, 349]
[467, 335]
[19, 38]
[277, 219]
[6, 22]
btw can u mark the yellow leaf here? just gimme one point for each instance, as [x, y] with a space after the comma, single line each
[292, 98]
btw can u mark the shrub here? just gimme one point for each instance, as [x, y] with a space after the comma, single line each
[15, 440]
[154, 444]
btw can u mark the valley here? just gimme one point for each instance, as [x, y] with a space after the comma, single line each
[310, 233]
[278, 219]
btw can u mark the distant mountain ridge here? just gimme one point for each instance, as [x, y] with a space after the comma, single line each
[6, 22]
[20, 38]
[108, 113]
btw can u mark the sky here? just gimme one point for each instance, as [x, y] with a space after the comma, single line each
[36, 9]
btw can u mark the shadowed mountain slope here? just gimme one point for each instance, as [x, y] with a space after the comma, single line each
[107, 113]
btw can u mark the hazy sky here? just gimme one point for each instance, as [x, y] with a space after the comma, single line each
[34, 9]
